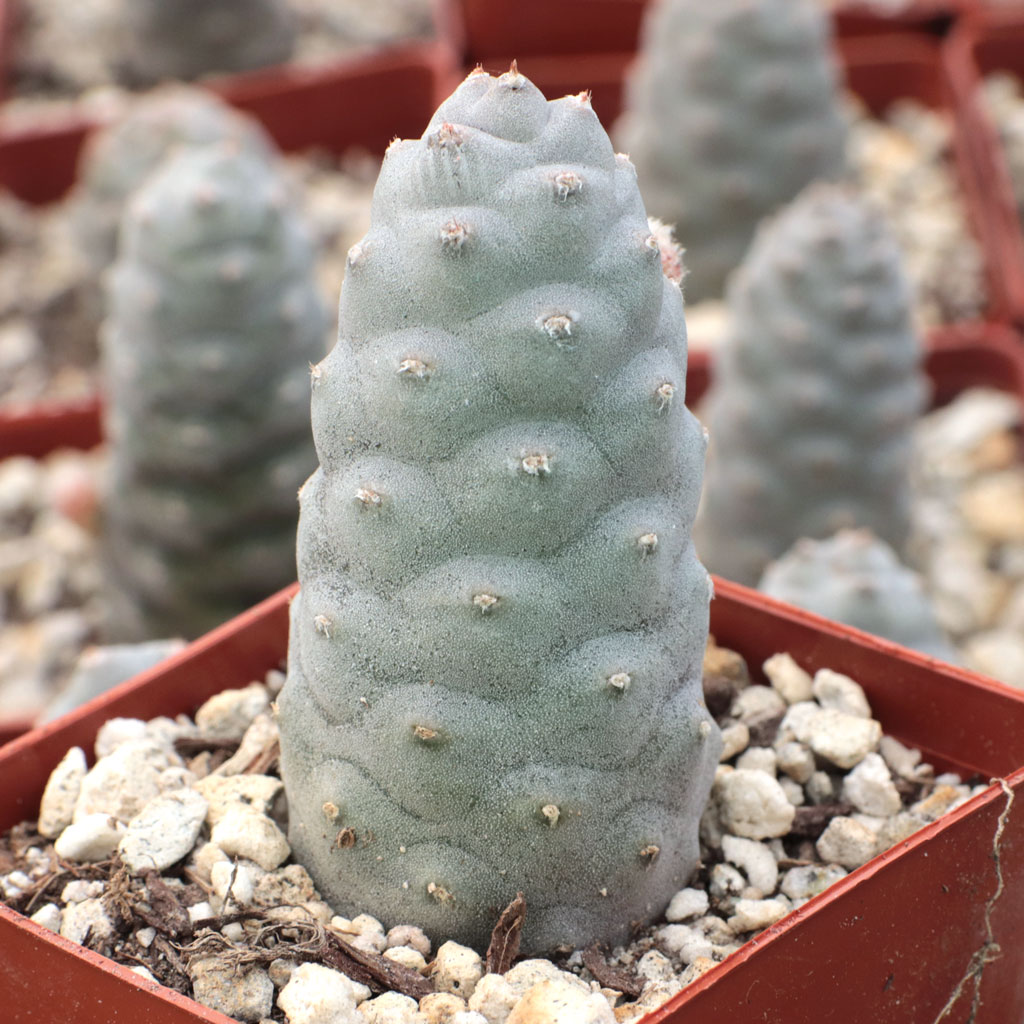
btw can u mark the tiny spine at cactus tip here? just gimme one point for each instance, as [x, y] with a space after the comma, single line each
[368, 498]
[538, 464]
[620, 681]
[413, 367]
[648, 543]
[485, 602]
[552, 813]
[663, 394]
[440, 893]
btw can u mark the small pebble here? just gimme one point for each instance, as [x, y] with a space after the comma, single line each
[687, 903]
[61, 794]
[49, 915]
[869, 787]
[847, 842]
[755, 860]
[163, 832]
[752, 915]
[753, 804]
[834, 690]
[457, 969]
[90, 839]
[242, 833]
[558, 1002]
[791, 682]
[228, 714]
[245, 993]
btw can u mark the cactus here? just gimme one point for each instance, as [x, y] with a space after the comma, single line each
[190, 38]
[117, 160]
[214, 320]
[815, 388]
[858, 579]
[732, 108]
[494, 673]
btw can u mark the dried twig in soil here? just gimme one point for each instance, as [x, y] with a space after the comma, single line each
[812, 820]
[503, 948]
[373, 970]
[611, 977]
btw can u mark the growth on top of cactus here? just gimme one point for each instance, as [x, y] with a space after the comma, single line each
[732, 108]
[858, 579]
[190, 38]
[494, 679]
[118, 159]
[816, 388]
[214, 320]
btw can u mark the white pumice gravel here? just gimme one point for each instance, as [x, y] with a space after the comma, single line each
[163, 832]
[61, 794]
[756, 870]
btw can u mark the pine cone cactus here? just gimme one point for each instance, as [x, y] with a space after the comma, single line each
[732, 108]
[816, 388]
[214, 320]
[494, 679]
[190, 38]
[117, 160]
[858, 579]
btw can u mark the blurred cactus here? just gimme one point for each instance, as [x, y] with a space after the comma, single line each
[214, 320]
[494, 679]
[118, 159]
[189, 38]
[732, 108]
[858, 579]
[815, 389]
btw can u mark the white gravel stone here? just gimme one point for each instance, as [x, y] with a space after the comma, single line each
[49, 916]
[123, 782]
[839, 737]
[735, 738]
[795, 760]
[163, 832]
[238, 877]
[791, 682]
[820, 788]
[145, 936]
[363, 931]
[228, 714]
[261, 733]
[655, 966]
[494, 997]
[801, 883]
[143, 972]
[469, 1017]
[200, 911]
[793, 790]
[441, 1007]
[245, 993]
[796, 722]
[406, 956]
[80, 889]
[527, 973]
[115, 731]
[457, 969]
[898, 828]
[901, 760]
[237, 792]
[88, 918]
[90, 839]
[847, 842]
[409, 935]
[390, 1008]
[762, 759]
[683, 942]
[756, 703]
[752, 915]
[753, 804]
[320, 995]
[204, 857]
[756, 861]
[834, 690]
[942, 798]
[242, 833]
[869, 787]
[57, 807]
[687, 903]
[559, 1002]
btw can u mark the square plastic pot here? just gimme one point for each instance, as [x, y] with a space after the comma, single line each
[936, 922]
[991, 40]
[494, 28]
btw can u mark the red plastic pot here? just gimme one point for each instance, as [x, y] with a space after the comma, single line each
[956, 358]
[992, 39]
[891, 942]
[494, 28]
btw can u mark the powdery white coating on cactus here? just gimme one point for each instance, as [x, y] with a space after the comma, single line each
[509, 694]
[731, 110]
[214, 320]
[815, 391]
[190, 38]
[858, 579]
[118, 159]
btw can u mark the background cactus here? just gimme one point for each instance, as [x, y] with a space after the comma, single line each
[117, 160]
[189, 38]
[732, 108]
[858, 579]
[815, 388]
[214, 320]
[494, 678]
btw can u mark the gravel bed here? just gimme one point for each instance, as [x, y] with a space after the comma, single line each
[170, 856]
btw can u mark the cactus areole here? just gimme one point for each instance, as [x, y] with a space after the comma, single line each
[494, 678]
